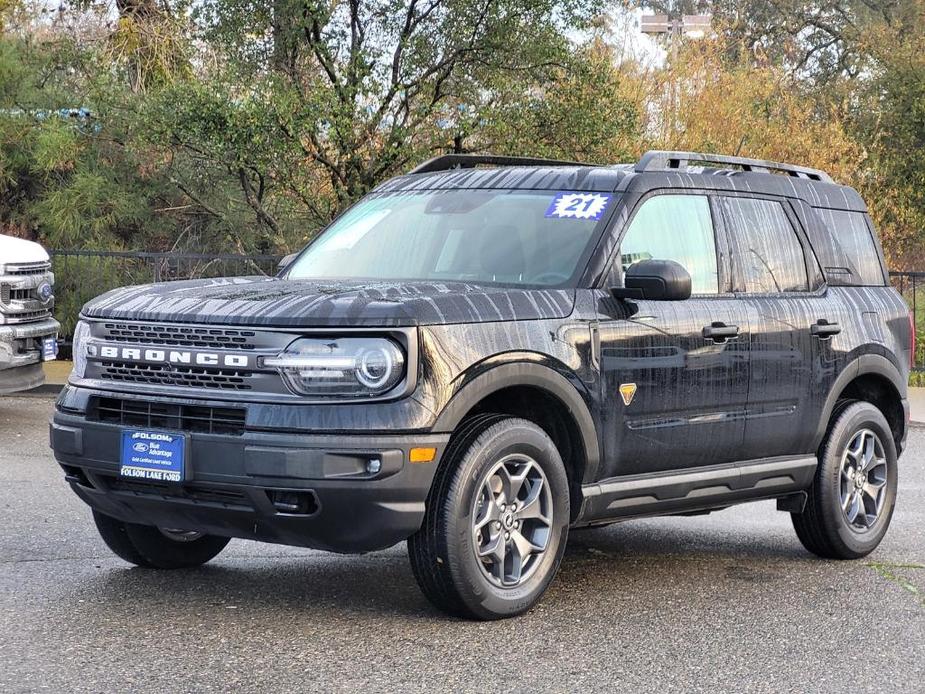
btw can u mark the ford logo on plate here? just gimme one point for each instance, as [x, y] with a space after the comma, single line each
[140, 447]
[44, 291]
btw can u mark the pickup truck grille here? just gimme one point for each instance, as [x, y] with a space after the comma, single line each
[180, 336]
[172, 375]
[27, 268]
[27, 317]
[20, 300]
[158, 415]
[8, 294]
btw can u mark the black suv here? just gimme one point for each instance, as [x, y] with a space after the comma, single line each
[489, 351]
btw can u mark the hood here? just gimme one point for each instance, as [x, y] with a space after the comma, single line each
[13, 250]
[276, 302]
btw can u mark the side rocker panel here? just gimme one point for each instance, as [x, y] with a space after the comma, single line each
[696, 489]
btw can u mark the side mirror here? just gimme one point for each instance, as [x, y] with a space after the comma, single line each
[286, 262]
[658, 280]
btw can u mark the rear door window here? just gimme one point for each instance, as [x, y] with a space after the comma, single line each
[853, 234]
[765, 246]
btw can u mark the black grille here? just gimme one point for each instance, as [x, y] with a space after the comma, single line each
[180, 336]
[171, 375]
[158, 415]
[199, 495]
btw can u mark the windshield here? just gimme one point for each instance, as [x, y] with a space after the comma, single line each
[502, 236]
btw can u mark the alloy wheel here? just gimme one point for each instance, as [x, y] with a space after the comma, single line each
[512, 520]
[863, 480]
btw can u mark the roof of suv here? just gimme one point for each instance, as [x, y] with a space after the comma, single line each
[654, 170]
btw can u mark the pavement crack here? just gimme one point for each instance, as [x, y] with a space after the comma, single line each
[891, 571]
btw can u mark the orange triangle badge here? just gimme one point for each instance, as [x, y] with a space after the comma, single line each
[627, 391]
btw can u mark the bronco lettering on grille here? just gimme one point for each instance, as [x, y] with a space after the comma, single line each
[165, 356]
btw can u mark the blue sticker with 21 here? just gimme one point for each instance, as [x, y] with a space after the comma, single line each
[578, 206]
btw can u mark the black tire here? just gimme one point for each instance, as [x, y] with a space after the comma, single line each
[148, 547]
[823, 528]
[443, 551]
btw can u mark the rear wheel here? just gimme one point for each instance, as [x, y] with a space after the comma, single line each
[852, 498]
[157, 548]
[496, 523]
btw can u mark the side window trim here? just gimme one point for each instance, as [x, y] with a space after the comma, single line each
[738, 283]
[723, 247]
[805, 218]
[615, 267]
[813, 266]
[881, 259]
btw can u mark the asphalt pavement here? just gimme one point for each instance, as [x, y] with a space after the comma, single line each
[727, 602]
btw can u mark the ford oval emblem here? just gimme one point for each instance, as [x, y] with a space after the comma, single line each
[44, 291]
[140, 447]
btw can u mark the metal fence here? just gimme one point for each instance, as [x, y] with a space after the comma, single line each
[911, 285]
[82, 275]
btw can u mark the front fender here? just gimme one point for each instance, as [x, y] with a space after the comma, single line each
[533, 374]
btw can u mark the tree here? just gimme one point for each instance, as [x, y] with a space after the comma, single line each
[361, 88]
[747, 109]
[850, 72]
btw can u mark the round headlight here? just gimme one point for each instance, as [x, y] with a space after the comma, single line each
[377, 365]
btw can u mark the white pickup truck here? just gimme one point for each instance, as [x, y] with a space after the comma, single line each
[28, 333]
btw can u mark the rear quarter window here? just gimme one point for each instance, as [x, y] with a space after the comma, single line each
[853, 233]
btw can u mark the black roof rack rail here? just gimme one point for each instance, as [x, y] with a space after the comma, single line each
[657, 160]
[446, 162]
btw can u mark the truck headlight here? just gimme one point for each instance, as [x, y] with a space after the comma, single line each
[79, 348]
[345, 367]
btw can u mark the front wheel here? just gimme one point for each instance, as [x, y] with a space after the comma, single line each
[157, 548]
[496, 522]
[851, 500]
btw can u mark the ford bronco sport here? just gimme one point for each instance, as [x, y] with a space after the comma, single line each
[489, 351]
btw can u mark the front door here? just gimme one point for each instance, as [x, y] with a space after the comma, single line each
[674, 374]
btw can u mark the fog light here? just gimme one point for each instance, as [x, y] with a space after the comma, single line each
[373, 466]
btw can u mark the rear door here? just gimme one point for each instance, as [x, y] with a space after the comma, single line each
[674, 374]
[791, 323]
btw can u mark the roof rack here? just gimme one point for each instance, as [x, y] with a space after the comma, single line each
[446, 162]
[657, 160]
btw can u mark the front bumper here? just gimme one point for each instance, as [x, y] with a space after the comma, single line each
[21, 344]
[305, 489]
[21, 354]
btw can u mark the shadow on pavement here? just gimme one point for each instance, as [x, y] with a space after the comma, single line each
[640, 558]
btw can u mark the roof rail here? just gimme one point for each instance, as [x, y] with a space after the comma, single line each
[446, 162]
[657, 160]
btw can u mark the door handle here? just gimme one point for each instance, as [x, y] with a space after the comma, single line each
[720, 332]
[823, 329]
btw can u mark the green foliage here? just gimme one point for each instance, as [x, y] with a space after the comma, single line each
[243, 126]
